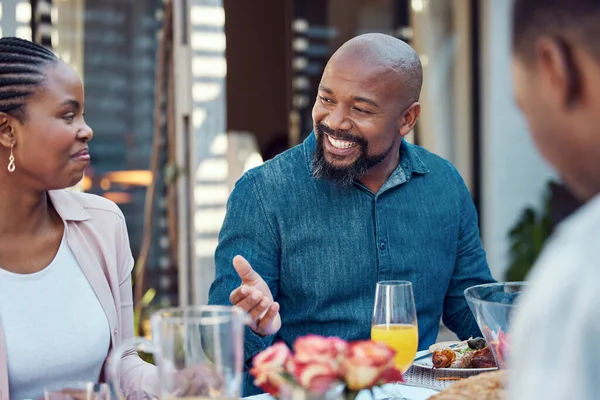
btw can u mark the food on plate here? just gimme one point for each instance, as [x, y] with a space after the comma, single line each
[473, 353]
[463, 360]
[477, 344]
[486, 386]
[483, 359]
[443, 358]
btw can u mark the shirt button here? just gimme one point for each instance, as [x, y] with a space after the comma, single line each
[115, 331]
[382, 246]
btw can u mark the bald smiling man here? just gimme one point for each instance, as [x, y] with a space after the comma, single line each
[309, 233]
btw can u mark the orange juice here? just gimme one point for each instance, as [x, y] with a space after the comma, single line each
[400, 337]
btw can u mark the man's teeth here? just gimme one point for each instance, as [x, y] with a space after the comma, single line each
[341, 144]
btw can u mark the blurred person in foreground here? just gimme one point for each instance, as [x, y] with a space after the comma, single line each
[65, 261]
[354, 204]
[556, 65]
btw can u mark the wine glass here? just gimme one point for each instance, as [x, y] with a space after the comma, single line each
[395, 321]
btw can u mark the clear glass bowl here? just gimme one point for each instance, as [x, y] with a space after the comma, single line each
[492, 305]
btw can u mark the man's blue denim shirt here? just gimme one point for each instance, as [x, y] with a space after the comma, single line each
[322, 247]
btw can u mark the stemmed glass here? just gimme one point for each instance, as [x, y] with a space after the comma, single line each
[395, 321]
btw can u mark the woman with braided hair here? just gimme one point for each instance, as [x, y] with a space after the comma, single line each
[65, 261]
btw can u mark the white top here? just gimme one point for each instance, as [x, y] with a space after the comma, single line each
[56, 331]
[555, 351]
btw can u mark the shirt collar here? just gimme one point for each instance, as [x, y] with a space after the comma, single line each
[67, 207]
[416, 163]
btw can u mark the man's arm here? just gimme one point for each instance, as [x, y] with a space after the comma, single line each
[470, 269]
[246, 231]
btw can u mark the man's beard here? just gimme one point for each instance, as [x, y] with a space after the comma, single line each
[344, 176]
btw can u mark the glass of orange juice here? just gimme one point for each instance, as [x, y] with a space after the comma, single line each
[395, 320]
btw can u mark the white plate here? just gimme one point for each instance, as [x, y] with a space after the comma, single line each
[408, 391]
[427, 363]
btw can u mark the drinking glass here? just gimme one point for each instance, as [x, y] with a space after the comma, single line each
[78, 391]
[199, 352]
[395, 321]
[493, 305]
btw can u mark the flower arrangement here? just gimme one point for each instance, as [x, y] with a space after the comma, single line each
[318, 364]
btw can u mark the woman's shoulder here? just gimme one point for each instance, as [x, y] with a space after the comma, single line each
[97, 221]
[75, 205]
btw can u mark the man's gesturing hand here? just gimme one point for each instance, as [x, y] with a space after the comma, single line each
[254, 297]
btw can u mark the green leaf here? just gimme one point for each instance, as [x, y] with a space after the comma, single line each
[527, 238]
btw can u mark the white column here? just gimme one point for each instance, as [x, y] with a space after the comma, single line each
[514, 174]
[184, 152]
[208, 124]
[442, 37]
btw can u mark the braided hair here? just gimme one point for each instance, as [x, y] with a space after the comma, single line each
[22, 65]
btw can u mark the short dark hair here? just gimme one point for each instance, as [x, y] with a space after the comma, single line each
[577, 21]
[22, 65]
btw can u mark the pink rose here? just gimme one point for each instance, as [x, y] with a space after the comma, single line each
[321, 350]
[268, 367]
[270, 382]
[369, 364]
[272, 358]
[317, 363]
[315, 377]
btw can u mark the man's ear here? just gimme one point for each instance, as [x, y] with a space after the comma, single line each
[7, 137]
[558, 67]
[409, 119]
